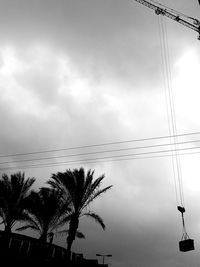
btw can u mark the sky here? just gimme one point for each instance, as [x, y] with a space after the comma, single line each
[76, 73]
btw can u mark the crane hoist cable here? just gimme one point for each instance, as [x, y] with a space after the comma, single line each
[162, 45]
[186, 243]
[171, 116]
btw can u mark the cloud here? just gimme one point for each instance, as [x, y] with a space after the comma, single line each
[74, 73]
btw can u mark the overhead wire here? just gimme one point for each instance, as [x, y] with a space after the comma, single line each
[100, 152]
[106, 158]
[98, 145]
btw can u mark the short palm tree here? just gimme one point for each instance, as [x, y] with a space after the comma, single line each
[45, 213]
[82, 190]
[14, 191]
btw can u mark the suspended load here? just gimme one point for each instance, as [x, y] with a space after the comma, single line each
[186, 244]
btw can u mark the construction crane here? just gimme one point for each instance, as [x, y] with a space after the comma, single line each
[160, 9]
[186, 244]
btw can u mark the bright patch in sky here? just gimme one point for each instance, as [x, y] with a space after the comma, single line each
[187, 96]
[186, 88]
[18, 98]
[32, 77]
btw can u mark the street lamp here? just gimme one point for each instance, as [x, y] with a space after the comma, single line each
[103, 256]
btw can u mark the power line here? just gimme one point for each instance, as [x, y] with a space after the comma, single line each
[106, 158]
[96, 145]
[99, 152]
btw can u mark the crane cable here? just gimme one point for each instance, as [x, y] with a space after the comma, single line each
[171, 118]
[163, 55]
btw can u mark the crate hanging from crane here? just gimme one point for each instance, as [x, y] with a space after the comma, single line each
[186, 243]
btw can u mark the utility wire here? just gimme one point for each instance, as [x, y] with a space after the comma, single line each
[125, 155]
[99, 152]
[102, 159]
[97, 145]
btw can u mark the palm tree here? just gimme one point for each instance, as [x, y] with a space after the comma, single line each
[82, 191]
[45, 213]
[14, 191]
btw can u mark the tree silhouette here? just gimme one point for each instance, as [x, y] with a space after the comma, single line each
[82, 190]
[45, 213]
[14, 191]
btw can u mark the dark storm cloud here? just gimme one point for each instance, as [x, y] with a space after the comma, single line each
[105, 39]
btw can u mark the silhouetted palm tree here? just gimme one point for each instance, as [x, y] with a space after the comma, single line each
[45, 213]
[14, 191]
[82, 191]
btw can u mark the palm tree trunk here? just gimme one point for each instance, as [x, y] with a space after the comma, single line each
[6, 238]
[43, 250]
[43, 237]
[7, 229]
[73, 227]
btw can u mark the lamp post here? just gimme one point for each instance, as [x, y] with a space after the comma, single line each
[103, 256]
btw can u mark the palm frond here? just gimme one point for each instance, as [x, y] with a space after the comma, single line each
[28, 226]
[96, 217]
[95, 195]
[80, 235]
[14, 189]
[30, 219]
[66, 232]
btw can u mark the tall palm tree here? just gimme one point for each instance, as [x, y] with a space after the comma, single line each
[82, 190]
[45, 213]
[14, 191]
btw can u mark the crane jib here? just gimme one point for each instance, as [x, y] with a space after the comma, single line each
[173, 15]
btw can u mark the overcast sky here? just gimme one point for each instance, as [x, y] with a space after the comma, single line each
[82, 72]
